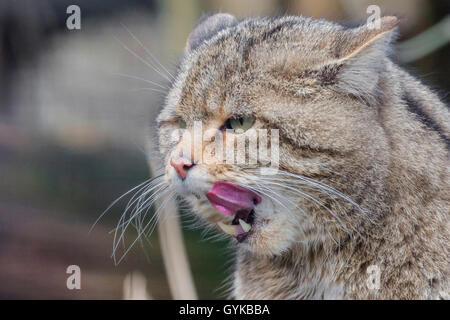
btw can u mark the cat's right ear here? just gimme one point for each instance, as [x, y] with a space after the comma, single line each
[367, 38]
[207, 27]
[360, 53]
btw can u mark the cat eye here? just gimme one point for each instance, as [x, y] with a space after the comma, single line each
[181, 123]
[241, 123]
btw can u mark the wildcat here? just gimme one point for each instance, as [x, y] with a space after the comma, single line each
[363, 179]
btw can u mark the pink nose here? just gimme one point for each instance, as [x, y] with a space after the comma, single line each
[181, 166]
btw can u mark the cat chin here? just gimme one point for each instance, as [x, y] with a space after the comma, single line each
[273, 232]
[272, 237]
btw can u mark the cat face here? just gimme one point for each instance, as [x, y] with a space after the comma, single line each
[305, 87]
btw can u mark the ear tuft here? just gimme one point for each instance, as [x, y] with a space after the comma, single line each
[207, 27]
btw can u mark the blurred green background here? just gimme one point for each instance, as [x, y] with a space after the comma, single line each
[73, 133]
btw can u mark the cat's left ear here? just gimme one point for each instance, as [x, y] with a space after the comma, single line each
[207, 27]
[361, 53]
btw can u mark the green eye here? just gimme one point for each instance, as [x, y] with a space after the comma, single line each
[242, 123]
[182, 123]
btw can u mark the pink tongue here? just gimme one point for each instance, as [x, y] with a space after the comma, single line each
[230, 198]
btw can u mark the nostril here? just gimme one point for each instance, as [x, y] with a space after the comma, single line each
[181, 166]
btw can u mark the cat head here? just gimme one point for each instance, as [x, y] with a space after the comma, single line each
[304, 90]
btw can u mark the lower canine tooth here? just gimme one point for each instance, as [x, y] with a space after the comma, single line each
[229, 229]
[245, 226]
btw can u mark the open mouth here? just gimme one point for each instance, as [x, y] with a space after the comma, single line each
[237, 201]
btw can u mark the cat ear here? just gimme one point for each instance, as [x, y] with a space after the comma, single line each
[207, 27]
[361, 54]
[374, 36]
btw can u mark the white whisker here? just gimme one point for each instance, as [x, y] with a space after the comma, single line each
[148, 52]
[117, 200]
[149, 89]
[143, 60]
[139, 78]
[141, 232]
[135, 212]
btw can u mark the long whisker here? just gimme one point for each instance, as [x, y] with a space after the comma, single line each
[147, 205]
[116, 242]
[324, 187]
[151, 186]
[139, 78]
[305, 186]
[143, 184]
[268, 191]
[141, 232]
[143, 60]
[149, 89]
[319, 185]
[329, 191]
[156, 217]
[148, 52]
[138, 207]
[304, 183]
[313, 199]
[143, 189]
[260, 189]
[135, 212]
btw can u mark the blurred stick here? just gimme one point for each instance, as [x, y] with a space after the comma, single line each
[174, 255]
[135, 287]
[426, 42]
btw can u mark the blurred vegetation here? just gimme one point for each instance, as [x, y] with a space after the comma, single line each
[75, 187]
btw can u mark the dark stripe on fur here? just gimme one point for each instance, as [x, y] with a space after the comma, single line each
[414, 107]
[268, 34]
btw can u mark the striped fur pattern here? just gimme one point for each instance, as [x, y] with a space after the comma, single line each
[364, 163]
